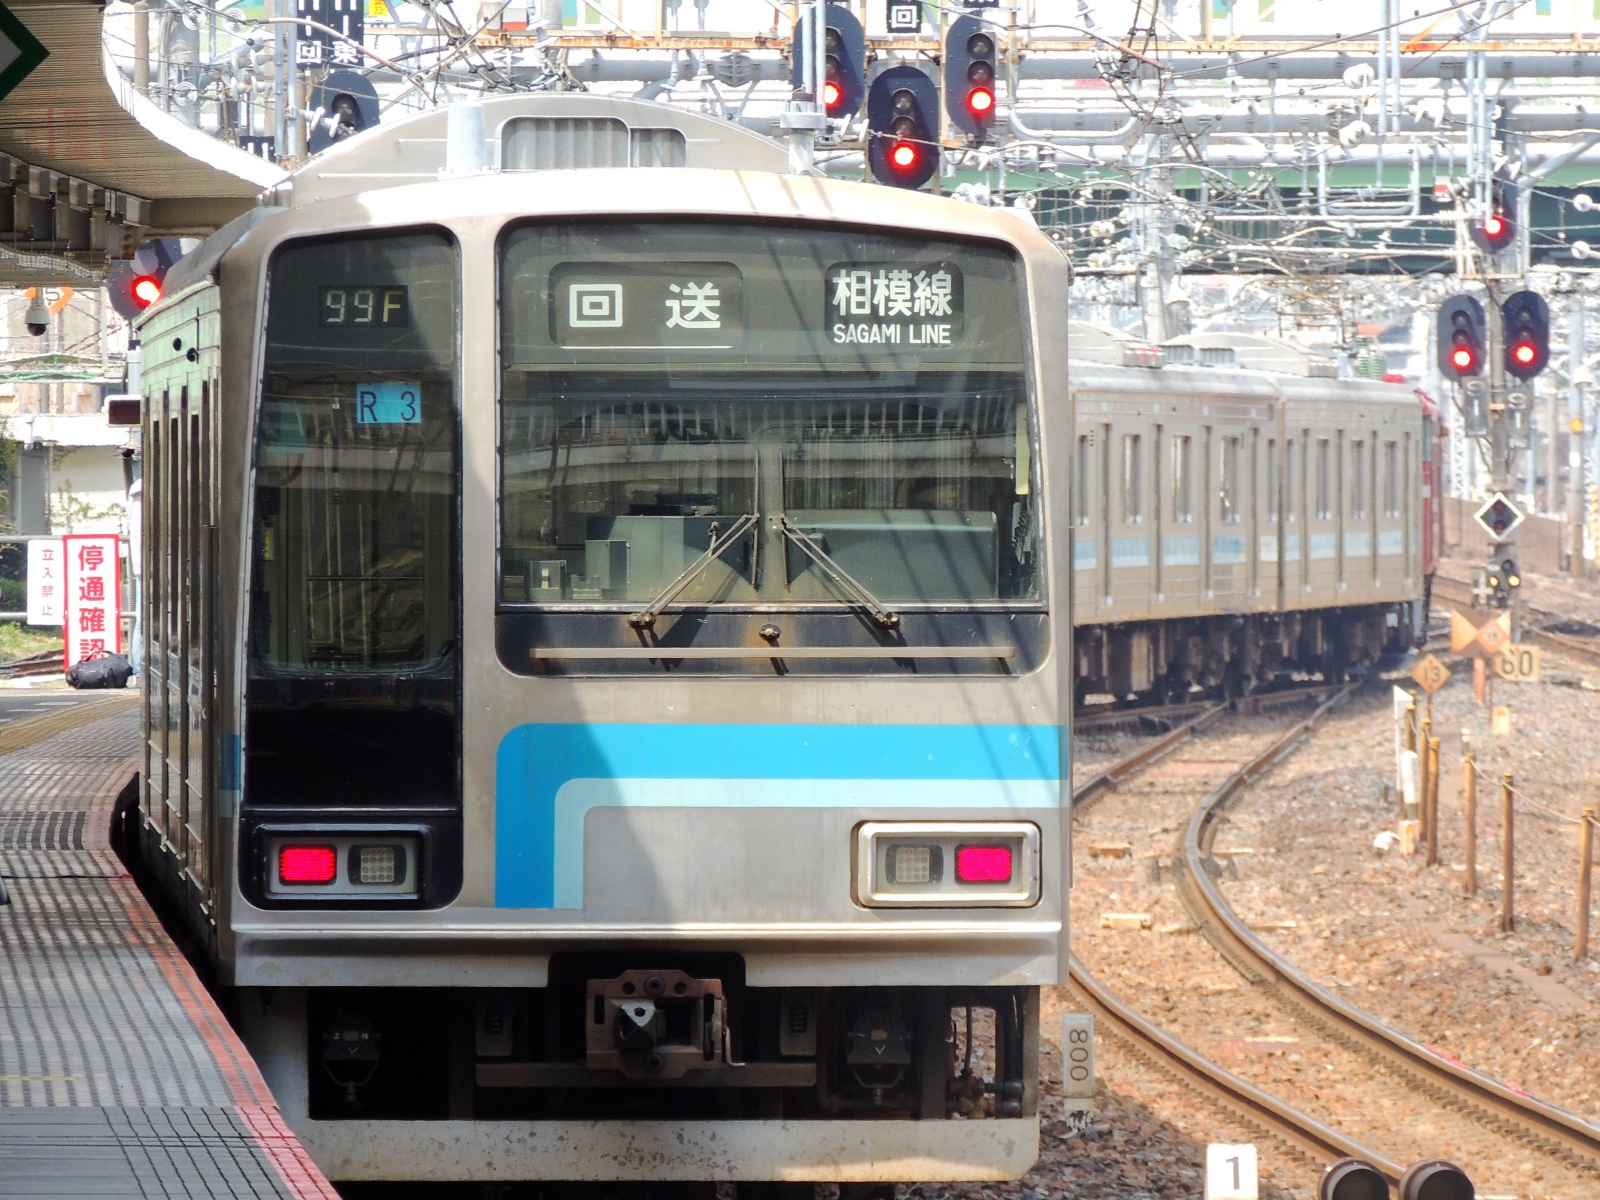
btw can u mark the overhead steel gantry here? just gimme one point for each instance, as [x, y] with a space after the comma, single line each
[89, 168]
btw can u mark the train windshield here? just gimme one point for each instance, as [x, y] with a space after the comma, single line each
[353, 603]
[746, 413]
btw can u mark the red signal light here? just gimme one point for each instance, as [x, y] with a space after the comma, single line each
[146, 290]
[980, 101]
[1494, 225]
[307, 864]
[831, 95]
[1525, 353]
[1461, 358]
[983, 864]
[903, 156]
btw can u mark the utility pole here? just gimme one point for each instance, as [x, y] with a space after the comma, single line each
[1577, 482]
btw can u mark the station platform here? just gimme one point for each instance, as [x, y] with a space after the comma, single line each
[119, 1076]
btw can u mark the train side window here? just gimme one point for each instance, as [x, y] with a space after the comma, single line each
[1391, 481]
[1182, 504]
[1324, 480]
[1272, 479]
[1085, 466]
[1131, 512]
[1289, 477]
[1358, 480]
[1230, 481]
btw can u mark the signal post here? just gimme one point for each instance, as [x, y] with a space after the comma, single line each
[1510, 339]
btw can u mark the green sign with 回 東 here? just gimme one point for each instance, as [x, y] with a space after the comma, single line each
[20, 52]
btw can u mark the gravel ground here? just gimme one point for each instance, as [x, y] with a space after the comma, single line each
[1376, 926]
[1314, 871]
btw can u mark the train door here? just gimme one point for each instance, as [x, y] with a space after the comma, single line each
[1129, 565]
[153, 800]
[1228, 502]
[1322, 524]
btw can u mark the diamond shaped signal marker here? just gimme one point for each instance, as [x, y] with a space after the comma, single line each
[1430, 673]
[1498, 517]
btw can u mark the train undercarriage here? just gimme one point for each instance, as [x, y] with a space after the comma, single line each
[1235, 654]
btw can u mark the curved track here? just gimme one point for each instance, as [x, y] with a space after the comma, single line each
[1302, 1133]
[1508, 1113]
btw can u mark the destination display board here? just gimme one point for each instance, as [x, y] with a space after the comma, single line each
[749, 294]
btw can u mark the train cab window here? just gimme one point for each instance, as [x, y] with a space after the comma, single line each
[1230, 481]
[1391, 481]
[354, 673]
[1324, 480]
[1131, 495]
[798, 400]
[1358, 480]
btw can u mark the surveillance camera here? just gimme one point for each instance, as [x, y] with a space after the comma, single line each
[37, 318]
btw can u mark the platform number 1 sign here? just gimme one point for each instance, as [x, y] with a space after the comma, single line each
[1230, 1172]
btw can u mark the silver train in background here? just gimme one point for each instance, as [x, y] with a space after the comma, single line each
[1239, 514]
[607, 647]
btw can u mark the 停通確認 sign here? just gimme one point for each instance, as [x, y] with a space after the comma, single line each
[92, 617]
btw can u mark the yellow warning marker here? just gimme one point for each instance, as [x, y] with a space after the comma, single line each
[1430, 674]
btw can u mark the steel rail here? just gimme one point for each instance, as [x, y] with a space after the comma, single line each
[1298, 1130]
[1558, 1133]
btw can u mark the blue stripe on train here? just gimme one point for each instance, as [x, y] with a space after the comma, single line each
[1019, 764]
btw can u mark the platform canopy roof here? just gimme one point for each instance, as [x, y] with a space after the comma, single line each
[92, 167]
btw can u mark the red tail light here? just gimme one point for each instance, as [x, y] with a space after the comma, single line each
[307, 864]
[983, 864]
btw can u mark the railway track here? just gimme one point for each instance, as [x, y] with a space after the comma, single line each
[46, 662]
[1500, 1110]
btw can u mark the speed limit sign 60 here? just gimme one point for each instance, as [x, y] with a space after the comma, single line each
[1518, 663]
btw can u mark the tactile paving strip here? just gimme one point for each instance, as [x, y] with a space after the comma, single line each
[118, 1075]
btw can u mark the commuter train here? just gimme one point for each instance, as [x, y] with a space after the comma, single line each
[608, 660]
[1240, 515]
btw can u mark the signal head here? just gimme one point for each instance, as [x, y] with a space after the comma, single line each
[1461, 337]
[902, 127]
[971, 65]
[1527, 332]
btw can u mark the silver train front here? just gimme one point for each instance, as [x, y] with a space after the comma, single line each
[518, 874]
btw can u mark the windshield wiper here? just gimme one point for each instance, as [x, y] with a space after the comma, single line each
[720, 545]
[888, 618]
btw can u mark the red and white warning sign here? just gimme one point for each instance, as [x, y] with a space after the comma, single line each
[92, 622]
